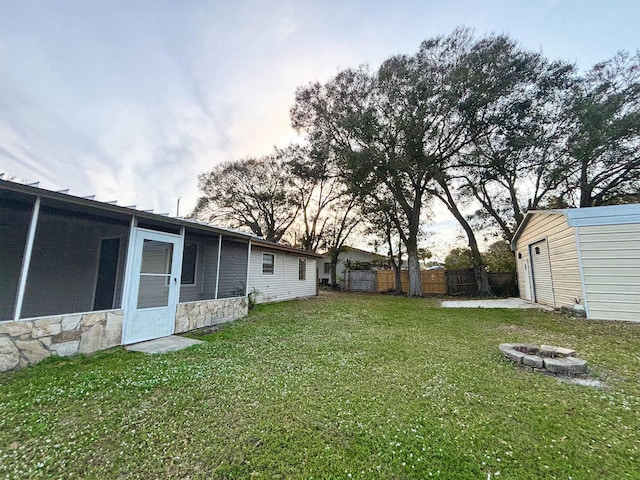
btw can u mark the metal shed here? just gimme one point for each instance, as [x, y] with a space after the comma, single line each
[582, 258]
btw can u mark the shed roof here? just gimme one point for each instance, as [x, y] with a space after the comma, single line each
[587, 217]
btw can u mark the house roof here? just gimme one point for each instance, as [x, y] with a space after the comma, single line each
[587, 217]
[112, 208]
[13, 190]
[283, 248]
[347, 249]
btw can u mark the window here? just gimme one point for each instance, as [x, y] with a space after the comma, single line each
[302, 269]
[268, 261]
[189, 256]
[327, 267]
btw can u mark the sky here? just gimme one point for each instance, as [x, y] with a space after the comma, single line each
[131, 100]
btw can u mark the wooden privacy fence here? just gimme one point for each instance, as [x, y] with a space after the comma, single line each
[433, 281]
[463, 282]
[359, 281]
[456, 282]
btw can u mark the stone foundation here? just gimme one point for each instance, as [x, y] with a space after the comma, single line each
[545, 359]
[30, 341]
[193, 315]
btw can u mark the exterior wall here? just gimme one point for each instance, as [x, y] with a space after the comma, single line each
[284, 283]
[321, 273]
[563, 255]
[610, 263]
[192, 315]
[30, 341]
[343, 257]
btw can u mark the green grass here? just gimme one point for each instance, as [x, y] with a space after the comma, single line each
[344, 386]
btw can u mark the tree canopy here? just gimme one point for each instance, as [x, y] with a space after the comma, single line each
[481, 124]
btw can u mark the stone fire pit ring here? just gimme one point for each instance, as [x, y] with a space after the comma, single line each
[547, 359]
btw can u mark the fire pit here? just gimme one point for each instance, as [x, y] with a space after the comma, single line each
[547, 359]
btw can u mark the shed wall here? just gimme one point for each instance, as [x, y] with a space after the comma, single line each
[284, 283]
[610, 263]
[563, 254]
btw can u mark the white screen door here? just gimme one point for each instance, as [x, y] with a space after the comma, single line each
[154, 286]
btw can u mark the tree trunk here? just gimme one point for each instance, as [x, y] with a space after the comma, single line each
[415, 280]
[480, 273]
[397, 266]
[397, 274]
[333, 256]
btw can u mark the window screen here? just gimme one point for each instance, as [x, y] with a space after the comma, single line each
[66, 263]
[14, 227]
[189, 256]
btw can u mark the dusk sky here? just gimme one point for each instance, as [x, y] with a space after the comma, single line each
[131, 100]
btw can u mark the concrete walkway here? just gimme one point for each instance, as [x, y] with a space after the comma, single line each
[172, 343]
[498, 303]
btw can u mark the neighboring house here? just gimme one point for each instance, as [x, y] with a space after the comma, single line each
[589, 257]
[79, 275]
[279, 272]
[348, 254]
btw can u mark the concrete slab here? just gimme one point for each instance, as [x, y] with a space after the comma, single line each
[172, 343]
[496, 303]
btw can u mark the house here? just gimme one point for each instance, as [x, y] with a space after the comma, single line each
[78, 275]
[279, 272]
[586, 258]
[346, 255]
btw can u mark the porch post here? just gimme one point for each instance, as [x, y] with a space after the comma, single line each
[218, 263]
[128, 265]
[246, 285]
[26, 260]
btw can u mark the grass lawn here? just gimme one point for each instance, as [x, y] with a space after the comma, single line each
[343, 386]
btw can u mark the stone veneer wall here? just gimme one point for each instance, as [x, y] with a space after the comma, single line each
[192, 315]
[30, 341]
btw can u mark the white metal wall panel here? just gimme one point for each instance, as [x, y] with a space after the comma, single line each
[541, 271]
[563, 256]
[611, 266]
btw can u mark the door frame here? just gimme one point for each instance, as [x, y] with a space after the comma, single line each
[134, 262]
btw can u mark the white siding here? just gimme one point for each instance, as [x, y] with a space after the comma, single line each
[284, 283]
[611, 266]
[563, 255]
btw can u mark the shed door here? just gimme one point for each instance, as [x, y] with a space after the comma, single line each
[541, 272]
[154, 287]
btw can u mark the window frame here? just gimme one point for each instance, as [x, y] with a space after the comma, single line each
[302, 271]
[272, 264]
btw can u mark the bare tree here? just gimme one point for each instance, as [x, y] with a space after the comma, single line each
[253, 194]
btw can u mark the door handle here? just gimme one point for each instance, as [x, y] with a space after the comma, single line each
[175, 280]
